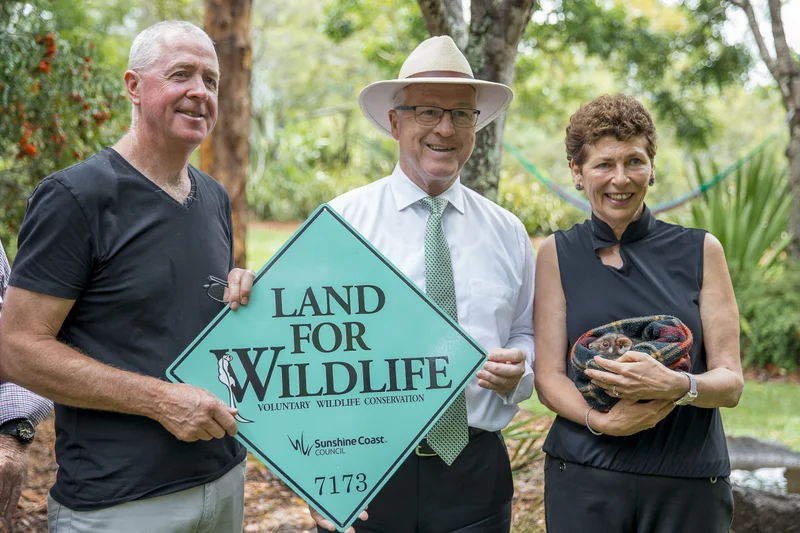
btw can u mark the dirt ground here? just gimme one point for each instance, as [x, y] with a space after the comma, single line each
[270, 506]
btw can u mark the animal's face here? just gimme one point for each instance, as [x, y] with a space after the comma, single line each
[611, 345]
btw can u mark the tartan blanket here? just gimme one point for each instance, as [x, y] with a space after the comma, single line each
[663, 337]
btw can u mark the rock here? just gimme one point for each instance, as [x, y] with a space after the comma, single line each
[757, 511]
[747, 453]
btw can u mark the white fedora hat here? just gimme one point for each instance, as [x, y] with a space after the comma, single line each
[435, 60]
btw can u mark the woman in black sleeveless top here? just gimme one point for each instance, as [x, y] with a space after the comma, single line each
[645, 466]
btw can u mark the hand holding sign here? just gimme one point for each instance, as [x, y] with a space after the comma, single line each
[240, 283]
[330, 526]
[193, 414]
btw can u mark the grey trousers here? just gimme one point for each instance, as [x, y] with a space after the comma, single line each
[216, 507]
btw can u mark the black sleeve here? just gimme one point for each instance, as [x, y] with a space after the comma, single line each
[55, 255]
[229, 224]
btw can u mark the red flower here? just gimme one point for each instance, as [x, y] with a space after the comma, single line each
[44, 66]
[31, 150]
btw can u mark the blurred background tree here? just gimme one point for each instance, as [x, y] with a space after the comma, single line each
[60, 97]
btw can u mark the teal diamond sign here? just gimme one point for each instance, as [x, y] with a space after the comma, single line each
[338, 366]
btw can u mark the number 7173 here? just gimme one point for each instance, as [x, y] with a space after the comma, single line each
[343, 484]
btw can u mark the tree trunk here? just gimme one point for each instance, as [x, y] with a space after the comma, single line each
[785, 71]
[225, 154]
[494, 33]
[793, 153]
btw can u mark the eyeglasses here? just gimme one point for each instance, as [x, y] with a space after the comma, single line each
[216, 289]
[428, 115]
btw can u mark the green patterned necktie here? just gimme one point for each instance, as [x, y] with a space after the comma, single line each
[449, 435]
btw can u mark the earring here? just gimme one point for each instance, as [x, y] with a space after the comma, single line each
[578, 187]
[652, 180]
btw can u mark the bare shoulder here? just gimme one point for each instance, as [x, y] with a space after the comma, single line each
[547, 251]
[713, 256]
[716, 277]
[711, 245]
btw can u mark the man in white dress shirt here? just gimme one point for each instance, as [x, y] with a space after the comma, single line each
[433, 110]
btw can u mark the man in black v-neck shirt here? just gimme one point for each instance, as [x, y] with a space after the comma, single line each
[107, 290]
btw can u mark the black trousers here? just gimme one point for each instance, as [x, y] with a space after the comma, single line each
[424, 495]
[583, 498]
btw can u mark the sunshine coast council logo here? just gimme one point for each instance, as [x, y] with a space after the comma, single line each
[299, 445]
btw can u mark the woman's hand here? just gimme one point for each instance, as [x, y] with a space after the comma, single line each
[629, 416]
[637, 376]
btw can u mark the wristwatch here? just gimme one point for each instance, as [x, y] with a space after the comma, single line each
[21, 428]
[690, 396]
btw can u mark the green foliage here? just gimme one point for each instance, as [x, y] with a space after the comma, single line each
[673, 56]
[288, 181]
[389, 29]
[57, 104]
[748, 212]
[539, 210]
[769, 305]
[309, 141]
[525, 438]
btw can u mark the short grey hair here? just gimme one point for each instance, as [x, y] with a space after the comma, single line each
[399, 97]
[146, 47]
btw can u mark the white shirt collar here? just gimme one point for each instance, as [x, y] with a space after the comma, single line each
[406, 192]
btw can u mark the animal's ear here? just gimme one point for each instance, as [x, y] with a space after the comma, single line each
[624, 342]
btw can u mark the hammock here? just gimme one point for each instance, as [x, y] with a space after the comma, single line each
[581, 203]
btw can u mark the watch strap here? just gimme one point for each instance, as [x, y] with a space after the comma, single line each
[691, 394]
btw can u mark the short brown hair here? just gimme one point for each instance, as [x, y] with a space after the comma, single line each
[618, 115]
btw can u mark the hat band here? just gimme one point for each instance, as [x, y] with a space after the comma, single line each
[441, 74]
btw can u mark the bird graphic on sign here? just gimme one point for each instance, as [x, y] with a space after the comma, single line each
[226, 378]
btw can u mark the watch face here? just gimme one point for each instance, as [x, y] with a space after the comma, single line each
[25, 431]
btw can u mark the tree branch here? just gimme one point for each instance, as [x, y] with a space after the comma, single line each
[517, 14]
[496, 27]
[445, 17]
[747, 7]
[785, 65]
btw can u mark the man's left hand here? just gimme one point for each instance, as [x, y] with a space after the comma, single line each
[13, 471]
[240, 283]
[502, 372]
